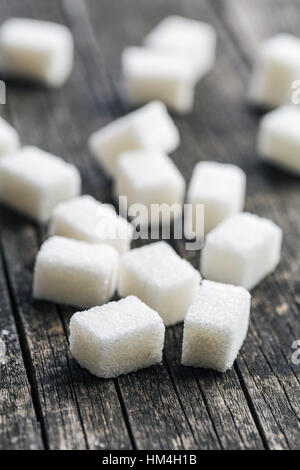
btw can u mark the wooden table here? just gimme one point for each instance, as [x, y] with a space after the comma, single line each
[46, 399]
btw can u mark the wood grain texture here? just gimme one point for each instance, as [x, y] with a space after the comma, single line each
[19, 427]
[256, 404]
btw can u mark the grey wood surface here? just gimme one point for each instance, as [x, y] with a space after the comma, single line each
[46, 399]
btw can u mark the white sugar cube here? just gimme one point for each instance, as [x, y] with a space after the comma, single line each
[215, 326]
[151, 74]
[276, 68]
[34, 182]
[9, 138]
[36, 50]
[278, 140]
[242, 250]
[75, 273]
[161, 279]
[117, 338]
[221, 188]
[190, 38]
[149, 127]
[148, 178]
[86, 219]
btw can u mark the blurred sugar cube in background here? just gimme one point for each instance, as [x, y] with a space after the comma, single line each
[177, 53]
[84, 218]
[278, 138]
[193, 39]
[37, 50]
[149, 127]
[151, 74]
[276, 67]
[33, 182]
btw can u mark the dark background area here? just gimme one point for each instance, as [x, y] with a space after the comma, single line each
[46, 399]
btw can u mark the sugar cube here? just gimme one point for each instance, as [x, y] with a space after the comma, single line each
[117, 338]
[74, 272]
[161, 279]
[215, 326]
[86, 219]
[278, 140]
[150, 177]
[242, 250]
[34, 182]
[190, 38]
[276, 67]
[36, 50]
[221, 188]
[148, 127]
[151, 74]
[9, 138]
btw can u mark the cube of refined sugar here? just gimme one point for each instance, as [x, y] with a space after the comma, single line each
[86, 219]
[117, 338]
[276, 68]
[191, 38]
[221, 188]
[215, 326]
[242, 250]
[36, 50]
[148, 127]
[34, 182]
[278, 140]
[161, 279]
[151, 74]
[9, 138]
[150, 177]
[75, 272]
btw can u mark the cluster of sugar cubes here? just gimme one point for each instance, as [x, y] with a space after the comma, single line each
[88, 256]
[161, 288]
[176, 54]
[276, 67]
[278, 139]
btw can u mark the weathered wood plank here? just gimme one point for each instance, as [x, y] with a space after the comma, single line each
[221, 395]
[19, 426]
[46, 343]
